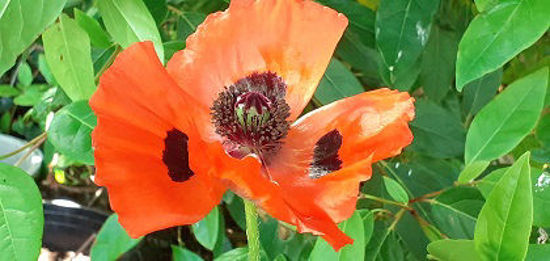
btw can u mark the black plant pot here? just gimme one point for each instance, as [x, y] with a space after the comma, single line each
[67, 228]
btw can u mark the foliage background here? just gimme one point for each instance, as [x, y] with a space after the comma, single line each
[473, 185]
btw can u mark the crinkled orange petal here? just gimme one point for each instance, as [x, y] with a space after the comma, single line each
[137, 103]
[293, 38]
[373, 125]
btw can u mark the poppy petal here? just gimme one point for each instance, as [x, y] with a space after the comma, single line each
[373, 124]
[292, 38]
[147, 148]
[361, 130]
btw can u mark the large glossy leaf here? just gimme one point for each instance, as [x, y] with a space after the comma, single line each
[480, 92]
[354, 228]
[455, 211]
[540, 185]
[437, 132]
[497, 35]
[67, 50]
[438, 63]
[70, 132]
[507, 119]
[98, 36]
[112, 241]
[206, 231]
[21, 22]
[504, 223]
[21, 215]
[338, 82]
[129, 21]
[402, 31]
[182, 254]
[453, 250]
[425, 175]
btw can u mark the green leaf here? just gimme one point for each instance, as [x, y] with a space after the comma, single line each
[70, 132]
[5, 122]
[354, 228]
[485, 5]
[98, 36]
[171, 47]
[361, 19]
[45, 70]
[455, 211]
[472, 171]
[460, 250]
[384, 245]
[238, 254]
[361, 57]
[423, 175]
[67, 50]
[31, 96]
[112, 241]
[528, 61]
[187, 23]
[206, 230]
[437, 132]
[158, 10]
[541, 193]
[538, 252]
[129, 21]
[479, 92]
[368, 223]
[410, 237]
[24, 75]
[507, 119]
[453, 250]
[8, 91]
[542, 132]
[402, 31]
[496, 36]
[338, 82]
[21, 215]
[182, 254]
[18, 28]
[395, 190]
[438, 63]
[504, 223]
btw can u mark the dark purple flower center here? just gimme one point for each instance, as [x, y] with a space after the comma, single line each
[251, 115]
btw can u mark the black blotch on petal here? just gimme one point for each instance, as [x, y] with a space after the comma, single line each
[325, 155]
[176, 155]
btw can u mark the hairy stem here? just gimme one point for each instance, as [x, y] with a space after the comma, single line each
[252, 232]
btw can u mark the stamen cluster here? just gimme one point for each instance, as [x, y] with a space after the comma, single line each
[251, 114]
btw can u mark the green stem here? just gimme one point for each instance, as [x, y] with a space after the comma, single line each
[29, 144]
[385, 201]
[252, 233]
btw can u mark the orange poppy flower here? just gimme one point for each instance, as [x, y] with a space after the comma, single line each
[169, 142]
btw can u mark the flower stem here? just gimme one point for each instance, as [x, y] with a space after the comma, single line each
[252, 233]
